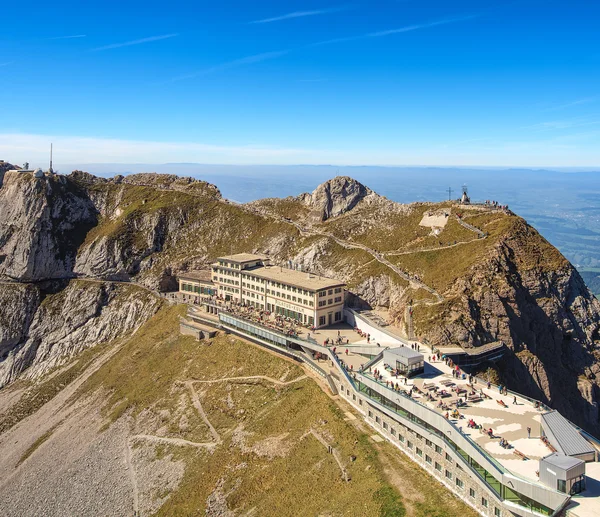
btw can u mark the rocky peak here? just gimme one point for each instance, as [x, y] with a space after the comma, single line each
[42, 223]
[335, 197]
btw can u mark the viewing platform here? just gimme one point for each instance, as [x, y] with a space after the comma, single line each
[486, 439]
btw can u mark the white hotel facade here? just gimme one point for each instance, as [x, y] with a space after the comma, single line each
[250, 280]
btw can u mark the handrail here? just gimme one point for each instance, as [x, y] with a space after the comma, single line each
[402, 392]
[358, 375]
[371, 362]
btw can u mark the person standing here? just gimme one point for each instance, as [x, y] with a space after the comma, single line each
[529, 432]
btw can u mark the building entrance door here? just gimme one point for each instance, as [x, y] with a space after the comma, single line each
[329, 319]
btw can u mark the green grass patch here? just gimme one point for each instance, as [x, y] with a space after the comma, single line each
[35, 445]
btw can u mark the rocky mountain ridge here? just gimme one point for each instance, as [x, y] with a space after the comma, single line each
[510, 286]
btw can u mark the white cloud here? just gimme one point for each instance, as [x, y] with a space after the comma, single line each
[134, 42]
[299, 14]
[400, 30]
[248, 60]
[576, 150]
[577, 102]
[69, 37]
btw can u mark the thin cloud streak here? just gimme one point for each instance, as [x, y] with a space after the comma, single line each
[298, 14]
[578, 102]
[553, 125]
[6, 63]
[134, 42]
[69, 37]
[272, 55]
[408, 28]
[248, 60]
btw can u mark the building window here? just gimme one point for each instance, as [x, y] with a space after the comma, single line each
[448, 457]
[448, 474]
[428, 459]
[393, 431]
[401, 438]
[370, 414]
[438, 467]
[484, 502]
[330, 291]
[354, 397]
[497, 512]
[472, 493]
[410, 444]
[360, 402]
[321, 320]
[459, 483]
[337, 316]
[438, 449]
[385, 426]
[419, 452]
[428, 443]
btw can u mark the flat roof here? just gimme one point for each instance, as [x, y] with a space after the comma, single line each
[203, 275]
[404, 351]
[497, 411]
[241, 258]
[300, 279]
[562, 461]
[564, 436]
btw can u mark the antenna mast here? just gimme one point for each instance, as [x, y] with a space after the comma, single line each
[50, 169]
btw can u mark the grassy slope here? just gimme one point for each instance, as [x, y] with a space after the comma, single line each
[143, 377]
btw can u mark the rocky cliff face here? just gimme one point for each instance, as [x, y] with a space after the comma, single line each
[336, 197]
[43, 221]
[546, 316]
[511, 286]
[55, 330]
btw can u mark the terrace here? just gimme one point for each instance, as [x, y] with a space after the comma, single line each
[475, 409]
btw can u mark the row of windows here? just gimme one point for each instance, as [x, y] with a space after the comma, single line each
[229, 264]
[290, 288]
[310, 303]
[336, 317]
[250, 286]
[438, 466]
[198, 289]
[252, 295]
[228, 281]
[502, 491]
[330, 301]
[329, 292]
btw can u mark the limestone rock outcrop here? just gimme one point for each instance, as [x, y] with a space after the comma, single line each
[548, 319]
[43, 221]
[145, 228]
[335, 197]
[64, 324]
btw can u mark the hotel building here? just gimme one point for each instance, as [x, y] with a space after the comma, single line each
[251, 280]
[196, 284]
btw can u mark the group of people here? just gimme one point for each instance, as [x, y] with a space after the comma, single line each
[495, 204]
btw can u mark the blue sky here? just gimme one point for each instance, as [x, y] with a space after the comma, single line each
[247, 82]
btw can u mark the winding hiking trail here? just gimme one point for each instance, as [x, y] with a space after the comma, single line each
[379, 257]
[376, 255]
[180, 442]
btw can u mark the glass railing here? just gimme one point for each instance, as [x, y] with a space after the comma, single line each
[490, 480]
[354, 379]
